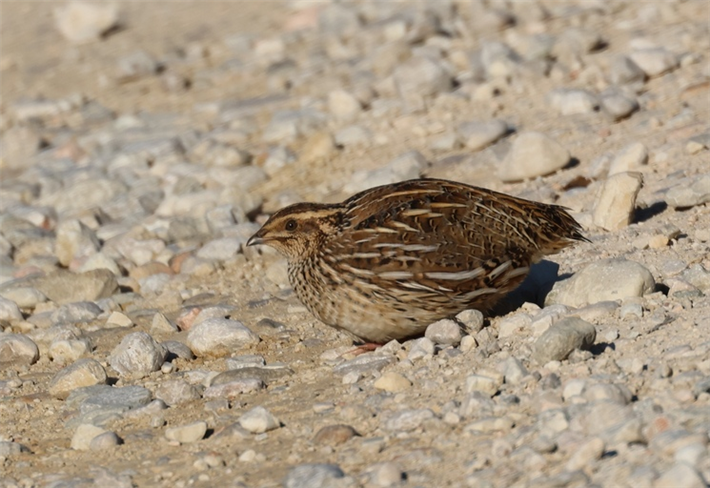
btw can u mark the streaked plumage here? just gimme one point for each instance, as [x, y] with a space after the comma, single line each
[387, 262]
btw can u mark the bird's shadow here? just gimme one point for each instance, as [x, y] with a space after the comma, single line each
[533, 289]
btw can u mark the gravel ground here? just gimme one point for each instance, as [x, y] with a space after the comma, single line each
[141, 343]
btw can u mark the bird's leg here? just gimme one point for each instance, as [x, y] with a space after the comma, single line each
[363, 348]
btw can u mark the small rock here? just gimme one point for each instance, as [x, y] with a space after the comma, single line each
[186, 434]
[654, 62]
[161, 324]
[562, 338]
[446, 332]
[472, 320]
[623, 70]
[586, 454]
[177, 391]
[478, 135]
[104, 441]
[617, 104]
[217, 337]
[334, 435]
[99, 261]
[630, 158]
[117, 319]
[84, 372]
[85, 21]
[607, 279]
[421, 76]
[387, 474]
[258, 420]
[690, 193]
[9, 310]
[421, 348]
[343, 105]
[8, 449]
[392, 382]
[74, 241]
[680, 474]
[317, 475]
[483, 384]
[25, 297]
[18, 349]
[67, 287]
[408, 420]
[64, 351]
[532, 154]
[616, 202]
[84, 434]
[573, 101]
[137, 355]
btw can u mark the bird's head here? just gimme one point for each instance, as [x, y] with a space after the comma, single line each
[298, 230]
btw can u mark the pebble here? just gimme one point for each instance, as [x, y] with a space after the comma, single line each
[421, 76]
[8, 449]
[9, 310]
[392, 382]
[317, 476]
[105, 441]
[630, 158]
[624, 71]
[137, 355]
[176, 391]
[118, 319]
[258, 420]
[563, 337]
[74, 241]
[532, 154]
[483, 384]
[217, 337]
[65, 287]
[386, 474]
[186, 434]
[421, 348]
[478, 135]
[408, 420]
[617, 104]
[472, 320]
[23, 297]
[84, 435]
[82, 22]
[334, 435]
[445, 332]
[680, 474]
[18, 349]
[616, 202]
[343, 105]
[573, 101]
[689, 193]
[607, 279]
[654, 61]
[83, 372]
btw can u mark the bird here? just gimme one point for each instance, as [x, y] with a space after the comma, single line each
[390, 260]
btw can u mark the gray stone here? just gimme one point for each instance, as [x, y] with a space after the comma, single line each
[478, 135]
[532, 154]
[690, 192]
[697, 276]
[623, 70]
[654, 61]
[629, 158]
[185, 434]
[233, 389]
[178, 349]
[563, 337]
[82, 22]
[137, 355]
[66, 287]
[353, 135]
[408, 420]
[421, 76]
[573, 101]
[317, 476]
[72, 313]
[18, 349]
[74, 240]
[177, 391]
[364, 363]
[258, 420]
[617, 104]
[99, 397]
[614, 208]
[24, 297]
[222, 249]
[9, 310]
[421, 348]
[84, 434]
[446, 332]
[104, 441]
[84, 372]
[343, 105]
[472, 320]
[607, 279]
[219, 337]
[8, 449]
[680, 475]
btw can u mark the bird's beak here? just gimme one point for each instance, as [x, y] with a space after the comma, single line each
[254, 240]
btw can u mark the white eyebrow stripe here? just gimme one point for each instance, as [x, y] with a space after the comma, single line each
[457, 276]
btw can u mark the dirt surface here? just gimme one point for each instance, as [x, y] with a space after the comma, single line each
[37, 63]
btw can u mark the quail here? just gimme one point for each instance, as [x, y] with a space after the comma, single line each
[389, 261]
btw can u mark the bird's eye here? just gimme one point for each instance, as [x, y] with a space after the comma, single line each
[291, 225]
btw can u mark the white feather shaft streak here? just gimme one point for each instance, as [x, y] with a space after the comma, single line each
[455, 276]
